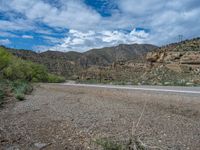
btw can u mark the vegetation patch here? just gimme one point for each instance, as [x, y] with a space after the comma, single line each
[131, 144]
[55, 79]
[17, 75]
[107, 144]
[21, 88]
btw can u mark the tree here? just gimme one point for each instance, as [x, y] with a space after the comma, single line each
[5, 59]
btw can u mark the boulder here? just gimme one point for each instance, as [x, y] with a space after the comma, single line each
[152, 56]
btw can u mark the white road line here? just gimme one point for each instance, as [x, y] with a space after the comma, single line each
[134, 88]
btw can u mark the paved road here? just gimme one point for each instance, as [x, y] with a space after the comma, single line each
[166, 89]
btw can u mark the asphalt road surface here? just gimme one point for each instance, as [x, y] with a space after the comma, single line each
[168, 89]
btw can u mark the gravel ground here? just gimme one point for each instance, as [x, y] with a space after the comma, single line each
[67, 117]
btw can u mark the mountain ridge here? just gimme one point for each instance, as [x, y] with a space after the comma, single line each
[67, 63]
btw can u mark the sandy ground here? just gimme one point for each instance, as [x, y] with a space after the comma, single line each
[67, 117]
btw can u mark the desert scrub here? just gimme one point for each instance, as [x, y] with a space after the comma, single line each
[107, 144]
[21, 88]
[55, 79]
[133, 143]
[16, 75]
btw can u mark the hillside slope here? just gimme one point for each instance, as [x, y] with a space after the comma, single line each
[174, 64]
[70, 63]
[108, 55]
[185, 52]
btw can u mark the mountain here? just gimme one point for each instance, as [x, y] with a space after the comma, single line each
[69, 63]
[108, 55]
[173, 64]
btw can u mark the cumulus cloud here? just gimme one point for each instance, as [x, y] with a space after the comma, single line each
[7, 34]
[15, 25]
[82, 41]
[166, 19]
[5, 42]
[73, 14]
[27, 37]
[89, 28]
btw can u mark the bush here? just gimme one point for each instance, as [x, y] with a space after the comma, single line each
[20, 73]
[55, 79]
[20, 88]
[5, 58]
[109, 145]
[24, 70]
[20, 96]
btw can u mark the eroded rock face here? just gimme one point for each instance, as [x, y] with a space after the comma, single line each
[174, 57]
[186, 52]
[191, 58]
[152, 56]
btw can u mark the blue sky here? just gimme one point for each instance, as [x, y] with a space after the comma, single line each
[80, 25]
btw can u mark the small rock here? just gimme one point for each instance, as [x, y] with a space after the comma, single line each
[167, 83]
[189, 84]
[41, 145]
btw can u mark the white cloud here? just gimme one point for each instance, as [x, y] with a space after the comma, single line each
[73, 14]
[5, 42]
[7, 34]
[27, 37]
[51, 39]
[19, 24]
[82, 41]
[165, 20]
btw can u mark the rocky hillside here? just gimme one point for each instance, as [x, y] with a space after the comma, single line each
[108, 55]
[183, 57]
[174, 64]
[70, 63]
[186, 52]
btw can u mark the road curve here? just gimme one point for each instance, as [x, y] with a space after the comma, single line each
[166, 89]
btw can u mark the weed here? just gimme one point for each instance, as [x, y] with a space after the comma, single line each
[107, 144]
[20, 88]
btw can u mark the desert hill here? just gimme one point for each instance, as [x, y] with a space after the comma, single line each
[173, 64]
[69, 63]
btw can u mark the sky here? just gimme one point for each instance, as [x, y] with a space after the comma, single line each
[80, 25]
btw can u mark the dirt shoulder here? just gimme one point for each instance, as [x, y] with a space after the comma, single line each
[66, 117]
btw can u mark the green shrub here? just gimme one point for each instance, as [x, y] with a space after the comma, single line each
[39, 73]
[20, 88]
[20, 96]
[5, 58]
[109, 145]
[20, 73]
[55, 79]
[24, 70]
